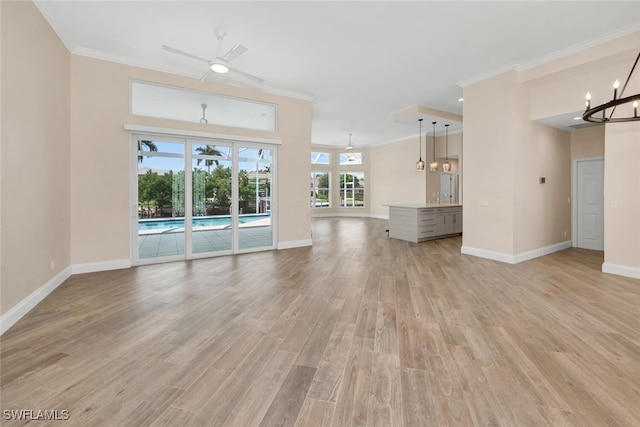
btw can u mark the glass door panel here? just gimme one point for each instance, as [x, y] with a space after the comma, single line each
[161, 199]
[212, 170]
[255, 225]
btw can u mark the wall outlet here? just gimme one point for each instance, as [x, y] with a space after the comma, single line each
[565, 234]
[483, 202]
[52, 264]
[613, 205]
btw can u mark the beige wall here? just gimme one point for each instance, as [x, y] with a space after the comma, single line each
[35, 153]
[394, 178]
[622, 196]
[100, 155]
[587, 143]
[559, 87]
[501, 109]
[489, 158]
[507, 210]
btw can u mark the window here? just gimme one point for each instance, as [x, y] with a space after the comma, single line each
[319, 158]
[352, 189]
[167, 102]
[320, 189]
[351, 159]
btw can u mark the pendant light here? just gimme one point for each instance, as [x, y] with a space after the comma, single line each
[420, 164]
[446, 166]
[433, 166]
[203, 119]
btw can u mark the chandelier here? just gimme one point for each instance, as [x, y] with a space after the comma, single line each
[590, 113]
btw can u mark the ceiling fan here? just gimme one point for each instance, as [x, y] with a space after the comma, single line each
[220, 64]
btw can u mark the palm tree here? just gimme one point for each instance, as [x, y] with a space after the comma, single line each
[149, 145]
[208, 150]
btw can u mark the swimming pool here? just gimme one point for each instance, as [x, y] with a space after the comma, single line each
[205, 221]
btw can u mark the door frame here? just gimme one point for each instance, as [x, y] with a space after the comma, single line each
[189, 137]
[574, 196]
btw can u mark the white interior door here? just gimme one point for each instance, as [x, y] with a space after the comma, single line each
[590, 204]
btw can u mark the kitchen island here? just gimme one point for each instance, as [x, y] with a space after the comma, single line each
[420, 222]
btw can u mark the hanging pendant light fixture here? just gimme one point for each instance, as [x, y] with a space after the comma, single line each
[433, 166]
[589, 114]
[420, 164]
[203, 119]
[446, 166]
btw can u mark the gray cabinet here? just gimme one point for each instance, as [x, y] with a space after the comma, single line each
[417, 223]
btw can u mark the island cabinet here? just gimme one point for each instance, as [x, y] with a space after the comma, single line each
[417, 223]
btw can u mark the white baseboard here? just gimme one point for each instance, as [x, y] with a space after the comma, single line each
[482, 253]
[621, 270]
[92, 267]
[535, 253]
[349, 215]
[514, 259]
[379, 216]
[23, 307]
[295, 244]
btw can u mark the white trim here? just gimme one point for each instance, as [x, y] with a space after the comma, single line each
[546, 250]
[132, 62]
[92, 267]
[482, 253]
[379, 216]
[621, 270]
[348, 215]
[182, 133]
[23, 307]
[512, 66]
[295, 244]
[578, 47]
[515, 259]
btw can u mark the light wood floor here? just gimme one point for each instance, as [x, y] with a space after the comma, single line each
[356, 330]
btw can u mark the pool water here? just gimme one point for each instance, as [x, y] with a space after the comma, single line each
[209, 221]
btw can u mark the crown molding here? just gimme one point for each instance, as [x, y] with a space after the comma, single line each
[125, 60]
[559, 54]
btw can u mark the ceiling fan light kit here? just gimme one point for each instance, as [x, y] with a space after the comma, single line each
[219, 66]
[350, 146]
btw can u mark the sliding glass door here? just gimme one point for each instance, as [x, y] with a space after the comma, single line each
[255, 228]
[161, 198]
[224, 205]
[212, 188]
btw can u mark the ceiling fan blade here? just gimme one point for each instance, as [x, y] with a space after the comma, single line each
[188, 55]
[205, 76]
[235, 51]
[246, 76]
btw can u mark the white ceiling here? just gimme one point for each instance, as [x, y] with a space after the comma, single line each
[360, 61]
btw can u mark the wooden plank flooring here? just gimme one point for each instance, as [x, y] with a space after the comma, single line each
[358, 330]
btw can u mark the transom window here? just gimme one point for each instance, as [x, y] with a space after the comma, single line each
[351, 159]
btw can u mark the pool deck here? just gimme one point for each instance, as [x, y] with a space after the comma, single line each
[161, 243]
